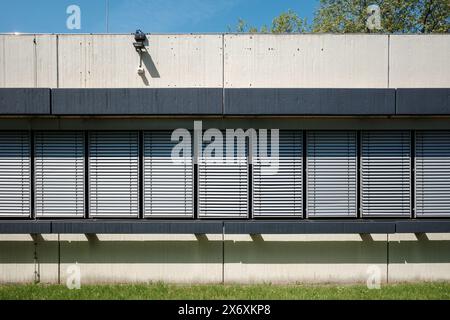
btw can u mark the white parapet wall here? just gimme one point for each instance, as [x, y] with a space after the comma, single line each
[306, 61]
[226, 60]
[417, 61]
[28, 61]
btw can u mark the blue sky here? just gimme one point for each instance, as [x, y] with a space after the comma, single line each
[153, 16]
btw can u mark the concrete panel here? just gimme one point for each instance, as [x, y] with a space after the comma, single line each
[419, 257]
[47, 261]
[423, 101]
[27, 61]
[24, 101]
[74, 55]
[315, 258]
[306, 61]
[304, 258]
[18, 63]
[161, 101]
[110, 61]
[309, 102]
[17, 259]
[46, 61]
[26, 258]
[309, 227]
[144, 258]
[137, 227]
[24, 226]
[419, 61]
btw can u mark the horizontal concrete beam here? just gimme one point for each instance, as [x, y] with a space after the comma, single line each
[125, 226]
[430, 226]
[309, 227]
[180, 101]
[24, 227]
[24, 101]
[423, 101]
[320, 102]
[225, 102]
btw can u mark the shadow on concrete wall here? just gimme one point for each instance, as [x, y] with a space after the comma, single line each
[147, 61]
[422, 251]
[303, 252]
[204, 251]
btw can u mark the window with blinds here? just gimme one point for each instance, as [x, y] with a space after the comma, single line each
[385, 173]
[59, 174]
[280, 194]
[223, 186]
[432, 173]
[113, 174]
[15, 174]
[168, 185]
[331, 174]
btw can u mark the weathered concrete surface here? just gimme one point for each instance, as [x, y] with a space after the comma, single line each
[238, 259]
[17, 262]
[28, 258]
[28, 61]
[226, 60]
[150, 101]
[418, 61]
[47, 253]
[142, 258]
[421, 257]
[322, 102]
[110, 61]
[306, 61]
[303, 258]
[24, 101]
[434, 101]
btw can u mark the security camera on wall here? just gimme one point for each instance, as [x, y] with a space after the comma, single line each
[140, 71]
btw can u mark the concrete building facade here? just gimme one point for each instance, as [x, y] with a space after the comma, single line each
[363, 187]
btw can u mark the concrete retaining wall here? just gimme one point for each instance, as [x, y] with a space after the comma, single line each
[225, 259]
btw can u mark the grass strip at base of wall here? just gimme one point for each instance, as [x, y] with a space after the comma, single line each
[161, 291]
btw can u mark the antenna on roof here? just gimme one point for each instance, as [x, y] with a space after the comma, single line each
[107, 15]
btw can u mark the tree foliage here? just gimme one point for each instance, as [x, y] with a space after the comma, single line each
[349, 16]
[286, 22]
[397, 16]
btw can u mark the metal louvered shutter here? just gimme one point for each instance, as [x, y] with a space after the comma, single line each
[432, 173]
[59, 174]
[223, 187]
[113, 174]
[15, 174]
[280, 194]
[386, 173]
[331, 174]
[168, 185]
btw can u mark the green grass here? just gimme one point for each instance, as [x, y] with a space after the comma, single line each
[266, 291]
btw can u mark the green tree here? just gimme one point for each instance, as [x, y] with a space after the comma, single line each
[350, 16]
[286, 22]
[397, 16]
